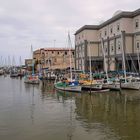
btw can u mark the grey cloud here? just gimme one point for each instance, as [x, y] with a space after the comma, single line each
[40, 22]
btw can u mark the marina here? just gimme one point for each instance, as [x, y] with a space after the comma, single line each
[69, 70]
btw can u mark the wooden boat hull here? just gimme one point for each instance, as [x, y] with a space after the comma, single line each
[92, 87]
[100, 91]
[112, 86]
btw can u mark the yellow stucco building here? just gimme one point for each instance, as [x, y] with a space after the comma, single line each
[55, 58]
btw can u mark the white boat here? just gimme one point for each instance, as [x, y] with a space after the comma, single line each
[131, 85]
[128, 83]
[14, 72]
[112, 86]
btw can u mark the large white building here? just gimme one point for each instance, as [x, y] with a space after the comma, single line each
[122, 30]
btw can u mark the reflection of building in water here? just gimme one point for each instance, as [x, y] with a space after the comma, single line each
[47, 89]
[67, 98]
[32, 105]
[119, 112]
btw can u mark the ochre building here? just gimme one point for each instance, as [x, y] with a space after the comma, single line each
[55, 58]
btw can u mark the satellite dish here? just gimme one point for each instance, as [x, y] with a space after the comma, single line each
[117, 12]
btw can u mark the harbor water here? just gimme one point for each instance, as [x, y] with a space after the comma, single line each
[38, 112]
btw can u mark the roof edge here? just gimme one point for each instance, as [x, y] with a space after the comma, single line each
[123, 14]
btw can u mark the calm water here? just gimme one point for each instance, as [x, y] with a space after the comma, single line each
[30, 112]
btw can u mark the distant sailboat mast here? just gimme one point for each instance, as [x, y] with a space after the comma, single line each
[70, 46]
[13, 62]
[20, 61]
[32, 59]
[9, 61]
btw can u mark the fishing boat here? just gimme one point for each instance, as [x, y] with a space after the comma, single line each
[127, 83]
[31, 78]
[68, 84]
[1, 72]
[14, 72]
[113, 85]
[90, 84]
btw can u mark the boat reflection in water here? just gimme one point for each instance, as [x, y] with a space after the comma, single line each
[111, 115]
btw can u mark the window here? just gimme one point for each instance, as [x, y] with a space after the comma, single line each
[105, 32]
[118, 27]
[111, 30]
[65, 53]
[57, 52]
[100, 34]
[119, 45]
[136, 23]
[112, 48]
[138, 45]
[105, 49]
[52, 52]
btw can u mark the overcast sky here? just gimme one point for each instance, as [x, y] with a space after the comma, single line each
[45, 23]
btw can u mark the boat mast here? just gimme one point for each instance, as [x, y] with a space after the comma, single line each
[124, 68]
[138, 51]
[139, 59]
[70, 47]
[90, 63]
[105, 66]
[32, 60]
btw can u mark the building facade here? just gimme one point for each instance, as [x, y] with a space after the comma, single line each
[122, 30]
[55, 58]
